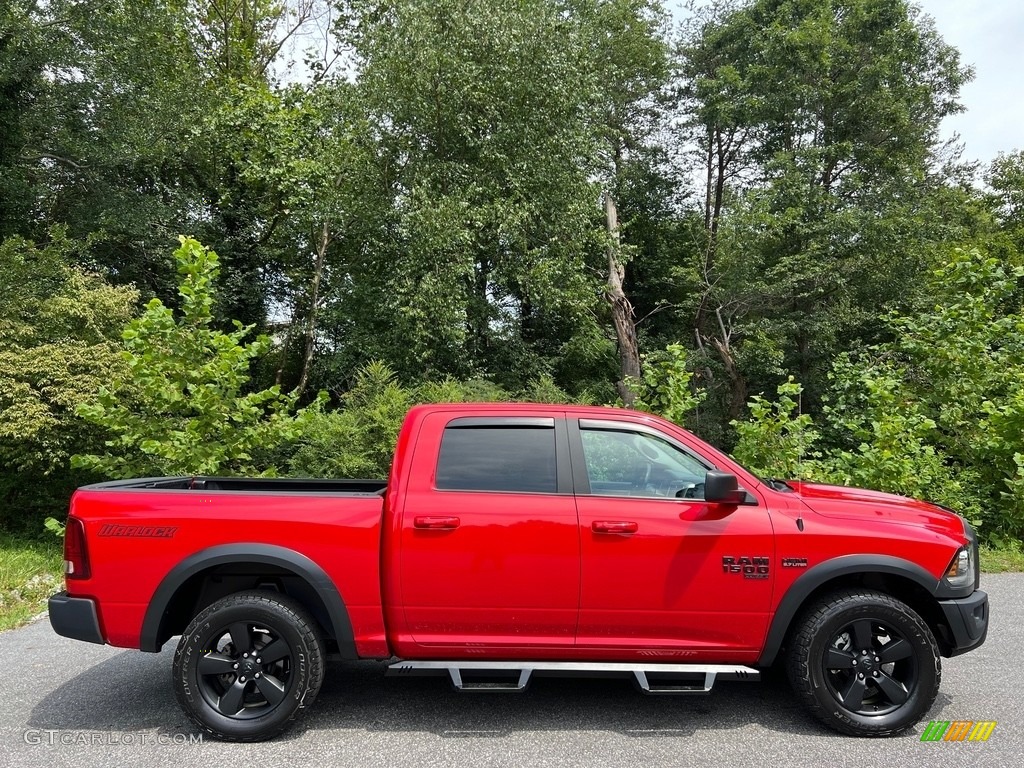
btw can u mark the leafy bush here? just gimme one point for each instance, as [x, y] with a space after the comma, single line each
[59, 342]
[664, 385]
[937, 413]
[59, 329]
[962, 357]
[897, 445]
[358, 440]
[775, 440]
[181, 406]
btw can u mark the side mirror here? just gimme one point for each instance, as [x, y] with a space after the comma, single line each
[723, 488]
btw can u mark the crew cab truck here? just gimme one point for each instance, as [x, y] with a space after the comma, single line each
[519, 540]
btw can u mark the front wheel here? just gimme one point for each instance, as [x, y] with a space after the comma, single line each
[864, 663]
[247, 664]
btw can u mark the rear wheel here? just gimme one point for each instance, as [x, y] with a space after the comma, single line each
[247, 664]
[864, 663]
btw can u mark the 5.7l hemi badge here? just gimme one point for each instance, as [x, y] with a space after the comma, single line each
[750, 567]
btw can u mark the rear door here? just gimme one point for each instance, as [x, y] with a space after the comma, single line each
[490, 550]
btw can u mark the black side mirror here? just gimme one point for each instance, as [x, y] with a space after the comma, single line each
[723, 488]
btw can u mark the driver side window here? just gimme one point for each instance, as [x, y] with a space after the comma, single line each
[626, 463]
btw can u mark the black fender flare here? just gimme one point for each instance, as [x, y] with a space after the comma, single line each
[266, 554]
[845, 565]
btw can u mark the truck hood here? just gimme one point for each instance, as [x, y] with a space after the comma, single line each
[861, 504]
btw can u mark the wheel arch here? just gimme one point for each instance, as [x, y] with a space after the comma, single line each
[184, 591]
[903, 579]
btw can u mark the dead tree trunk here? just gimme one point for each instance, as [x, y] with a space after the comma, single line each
[622, 310]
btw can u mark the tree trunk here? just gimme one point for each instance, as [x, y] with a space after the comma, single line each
[279, 376]
[318, 270]
[737, 382]
[622, 310]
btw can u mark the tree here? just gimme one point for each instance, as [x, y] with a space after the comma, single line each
[630, 66]
[123, 124]
[59, 328]
[183, 405]
[1005, 178]
[22, 59]
[817, 124]
[482, 115]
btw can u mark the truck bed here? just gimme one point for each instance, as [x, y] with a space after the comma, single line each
[146, 534]
[246, 485]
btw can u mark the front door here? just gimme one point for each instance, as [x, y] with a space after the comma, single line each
[490, 551]
[665, 573]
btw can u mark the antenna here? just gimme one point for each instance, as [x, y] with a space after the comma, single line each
[800, 457]
[800, 416]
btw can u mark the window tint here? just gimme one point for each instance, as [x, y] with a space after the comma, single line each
[497, 459]
[623, 463]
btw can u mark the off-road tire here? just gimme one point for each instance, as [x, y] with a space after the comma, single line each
[864, 663]
[219, 665]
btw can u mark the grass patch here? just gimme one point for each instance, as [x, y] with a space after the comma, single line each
[1002, 558]
[30, 571]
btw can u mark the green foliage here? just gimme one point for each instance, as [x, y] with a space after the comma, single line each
[816, 123]
[55, 526]
[492, 118]
[965, 360]
[545, 390]
[776, 439]
[665, 388]
[59, 328]
[437, 207]
[58, 344]
[937, 413]
[1005, 179]
[358, 439]
[182, 405]
[897, 445]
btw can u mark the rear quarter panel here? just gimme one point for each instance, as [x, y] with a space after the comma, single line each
[340, 534]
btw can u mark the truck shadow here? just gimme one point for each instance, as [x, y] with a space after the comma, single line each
[132, 692]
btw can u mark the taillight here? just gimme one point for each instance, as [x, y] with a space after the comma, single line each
[76, 557]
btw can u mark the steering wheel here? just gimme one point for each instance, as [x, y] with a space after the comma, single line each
[695, 491]
[648, 453]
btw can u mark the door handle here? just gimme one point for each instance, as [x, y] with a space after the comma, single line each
[437, 523]
[613, 526]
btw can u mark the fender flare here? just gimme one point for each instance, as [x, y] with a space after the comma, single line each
[801, 589]
[265, 554]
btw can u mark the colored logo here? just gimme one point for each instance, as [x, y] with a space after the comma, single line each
[958, 730]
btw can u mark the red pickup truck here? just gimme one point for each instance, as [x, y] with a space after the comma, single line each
[520, 540]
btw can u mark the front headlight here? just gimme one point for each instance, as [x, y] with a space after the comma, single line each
[961, 571]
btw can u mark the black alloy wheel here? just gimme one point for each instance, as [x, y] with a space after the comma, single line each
[870, 668]
[246, 671]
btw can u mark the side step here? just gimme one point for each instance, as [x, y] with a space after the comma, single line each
[701, 678]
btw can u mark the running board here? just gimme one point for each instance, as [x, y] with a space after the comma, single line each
[520, 673]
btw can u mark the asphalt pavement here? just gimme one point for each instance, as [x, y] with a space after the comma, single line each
[69, 703]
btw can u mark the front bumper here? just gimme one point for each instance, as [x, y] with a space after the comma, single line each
[75, 617]
[967, 622]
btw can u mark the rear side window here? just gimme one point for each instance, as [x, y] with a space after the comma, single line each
[494, 458]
